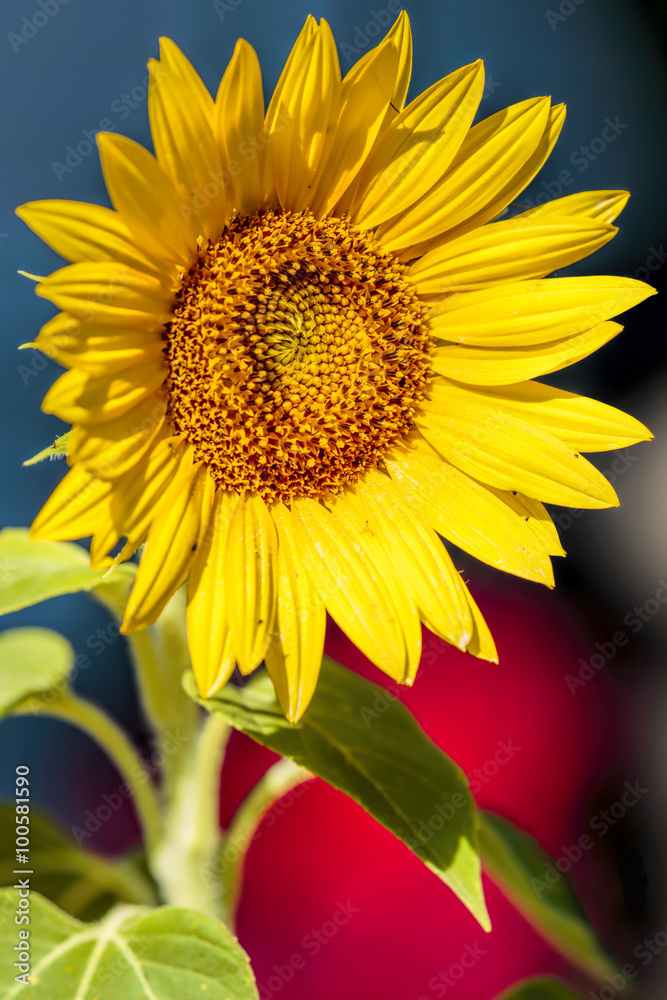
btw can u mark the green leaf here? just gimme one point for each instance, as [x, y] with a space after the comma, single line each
[383, 760]
[132, 953]
[56, 450]
[32, 660]
[78, 880]
[31, 571]
[518, 864]
[542, 988]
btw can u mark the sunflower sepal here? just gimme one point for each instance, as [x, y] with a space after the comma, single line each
[56, 450]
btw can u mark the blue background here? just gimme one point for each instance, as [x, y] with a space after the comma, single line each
[605, 59]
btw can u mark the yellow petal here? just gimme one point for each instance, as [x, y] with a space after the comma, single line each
[97, 350]
[209, 638]
[481, 645]
[251, 580]
[109, 449]
[603, 205]
[465, 512]
[536, 516]
[108, 293]
[534, 312]
[400, 37]
[169, 546]
[130, 495]
[76, 508]
[583, 423]
[415, 150]
[352, 586]
[365, 95]
[79, 232]
[77, 397]
[238, 120]
[294, 656]
[497, 448]
[488, 158]
[276, 116]
[491, 204]
[146, 199]
[180, 110]
[421, 560]
[307, 110]
[138, 492]
[504, 365]
[504, 252]
[354, 514]
[104, 538]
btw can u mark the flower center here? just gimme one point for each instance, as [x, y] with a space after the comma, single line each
[297, 353]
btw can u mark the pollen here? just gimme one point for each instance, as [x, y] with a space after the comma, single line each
[297, 354]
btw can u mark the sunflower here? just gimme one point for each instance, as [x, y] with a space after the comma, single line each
[300, 349]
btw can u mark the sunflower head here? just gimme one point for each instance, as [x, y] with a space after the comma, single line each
[297, 354]
[301, 347]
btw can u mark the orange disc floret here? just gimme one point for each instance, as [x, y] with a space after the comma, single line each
[297, 354]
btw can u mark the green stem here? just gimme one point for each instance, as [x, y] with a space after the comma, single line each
[160, 657]
[276, 782]
[121, 877]
[70, 708]
[185, 863]
[153, 687]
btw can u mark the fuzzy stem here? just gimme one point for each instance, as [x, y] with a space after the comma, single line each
[160, 658]
[185, 863]
[104, 731]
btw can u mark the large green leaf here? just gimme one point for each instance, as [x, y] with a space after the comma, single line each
[388, 765]
[137, 954]
[81, 882]
[31, 571]
[542, 988]
[543, 894]
[31, 660]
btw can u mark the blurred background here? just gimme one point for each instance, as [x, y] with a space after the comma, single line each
[84, 68]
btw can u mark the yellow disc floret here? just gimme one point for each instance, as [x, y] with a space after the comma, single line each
[297, 354]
